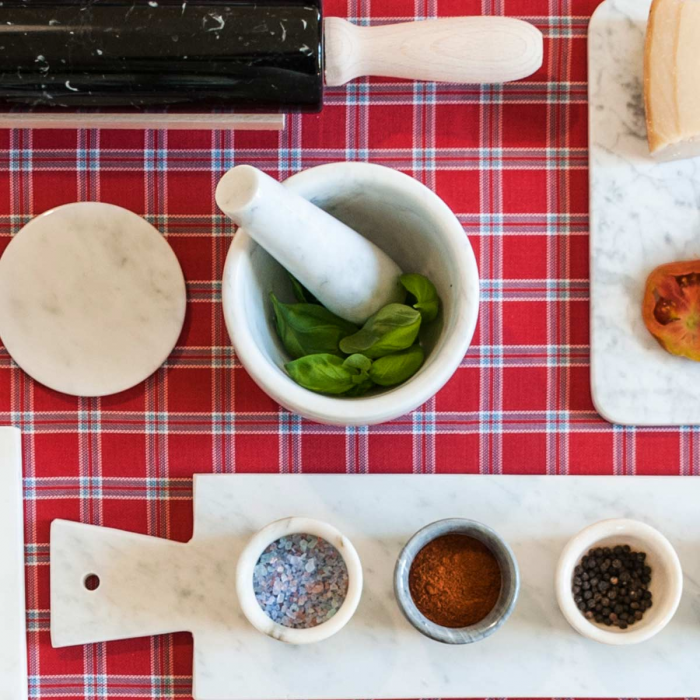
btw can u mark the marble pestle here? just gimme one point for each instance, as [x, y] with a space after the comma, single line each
[346, 272]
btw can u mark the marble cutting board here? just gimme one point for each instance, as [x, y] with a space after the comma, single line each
[643, 214]
[13, 639]
[150, 586]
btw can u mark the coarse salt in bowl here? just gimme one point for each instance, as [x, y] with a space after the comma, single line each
[248, 582]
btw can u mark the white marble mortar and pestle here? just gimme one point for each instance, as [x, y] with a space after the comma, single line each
[346, 231]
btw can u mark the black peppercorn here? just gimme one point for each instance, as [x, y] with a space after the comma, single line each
[610, 586]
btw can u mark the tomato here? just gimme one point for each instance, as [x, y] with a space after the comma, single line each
[671, 307]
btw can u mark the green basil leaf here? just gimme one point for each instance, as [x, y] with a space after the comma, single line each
[323, 373]
[395, 369]
[360, 389]
[359, 365]
[424, 296]
[394, 327]
[359, 342]
[309, 329]
[301, 293]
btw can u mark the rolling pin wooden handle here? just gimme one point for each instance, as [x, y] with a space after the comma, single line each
[139, 585]
[452, 49]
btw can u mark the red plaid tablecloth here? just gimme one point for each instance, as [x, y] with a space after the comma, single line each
[510, 160]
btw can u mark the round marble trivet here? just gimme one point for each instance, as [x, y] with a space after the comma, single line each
[92, 299]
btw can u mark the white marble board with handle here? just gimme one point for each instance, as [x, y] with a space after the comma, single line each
[642, 214]
[151, 586]
[13, 639]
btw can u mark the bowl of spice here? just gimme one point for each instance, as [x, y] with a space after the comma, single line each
[619, 582]
[299, 580]
[457, 581]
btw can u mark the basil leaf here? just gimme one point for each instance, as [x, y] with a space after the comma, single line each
[424, 296]
[394, 327]
[309, 329]
[360, 389]
[323, 373]
[397, 368]
[359, 365]
[301, 293]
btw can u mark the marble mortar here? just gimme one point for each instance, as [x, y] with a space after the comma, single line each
[417, 230]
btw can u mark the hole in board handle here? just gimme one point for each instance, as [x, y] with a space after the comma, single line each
[91, 582]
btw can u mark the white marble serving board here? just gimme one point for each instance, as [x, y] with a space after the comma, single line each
[643, 214]
[150, 586]
[13, 640]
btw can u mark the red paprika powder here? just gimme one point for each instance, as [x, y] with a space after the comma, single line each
[455, 581]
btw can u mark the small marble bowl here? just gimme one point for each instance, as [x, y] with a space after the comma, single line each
[249, 558]
[666, 579]
[510, 581]
[412, 225]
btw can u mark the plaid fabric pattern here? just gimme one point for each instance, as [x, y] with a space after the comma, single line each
[510, 160]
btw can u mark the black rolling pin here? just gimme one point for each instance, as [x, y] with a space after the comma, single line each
[267, 55]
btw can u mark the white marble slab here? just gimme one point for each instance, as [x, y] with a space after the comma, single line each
[150, 586]
[92, 299]
[643, 213]
[13, 639]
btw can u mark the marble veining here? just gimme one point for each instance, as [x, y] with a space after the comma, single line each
[92, 299]
[170, 54]
[149, 586]
[643, 213]
[13, 640]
